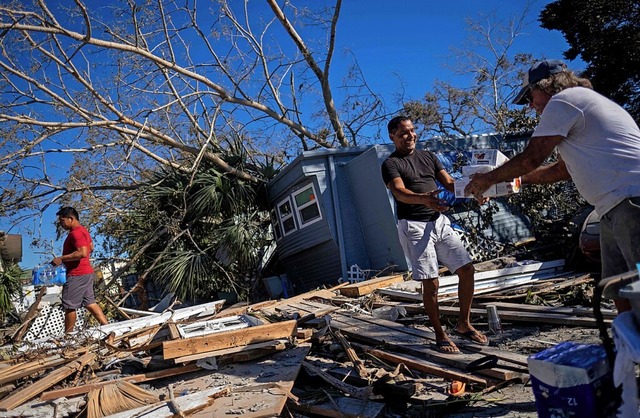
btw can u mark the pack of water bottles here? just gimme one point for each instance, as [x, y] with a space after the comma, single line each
[48, 275]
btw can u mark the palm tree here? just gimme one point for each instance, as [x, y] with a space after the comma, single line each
[199, 232]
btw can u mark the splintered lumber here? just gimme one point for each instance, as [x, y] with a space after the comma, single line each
[415, 363]
[221, 340]
[365, 287]
[137, 378]
[131, 325]
[244, 308]
[117, 397]
[376, 331]
[358, 393]
[317, 314]
[32, 313]
[23, 395]
[20, 370]
[358, 364]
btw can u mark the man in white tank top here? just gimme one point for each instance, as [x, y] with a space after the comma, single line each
[598, 144]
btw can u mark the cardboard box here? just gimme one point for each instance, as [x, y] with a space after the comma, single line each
[483, 161]
[488, 157]
[572, 380]
[497, 190]
[468, 170]
[505, 189]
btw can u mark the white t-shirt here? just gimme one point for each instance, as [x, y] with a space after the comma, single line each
[601, 147]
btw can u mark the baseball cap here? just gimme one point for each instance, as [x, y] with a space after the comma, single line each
[538, 71]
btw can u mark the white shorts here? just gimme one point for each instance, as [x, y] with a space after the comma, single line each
[425, 244]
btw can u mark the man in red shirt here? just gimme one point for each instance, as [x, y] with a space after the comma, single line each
[78, 290]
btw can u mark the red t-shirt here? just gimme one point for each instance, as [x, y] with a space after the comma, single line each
[78, 237]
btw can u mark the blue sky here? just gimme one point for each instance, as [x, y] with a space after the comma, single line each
[414, 40]
[397, 44]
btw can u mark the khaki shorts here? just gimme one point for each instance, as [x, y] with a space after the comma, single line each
[78, 291]
[620, 238]
[428, 244]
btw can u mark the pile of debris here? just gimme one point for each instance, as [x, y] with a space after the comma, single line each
[352, 350]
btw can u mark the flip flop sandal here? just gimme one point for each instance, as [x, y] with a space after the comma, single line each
[442, 345]
[469, 337]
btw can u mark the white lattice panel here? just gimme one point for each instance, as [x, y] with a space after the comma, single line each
[50, 322]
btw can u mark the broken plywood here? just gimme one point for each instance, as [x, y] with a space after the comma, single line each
[257, 389]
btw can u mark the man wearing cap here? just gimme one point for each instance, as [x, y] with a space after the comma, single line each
[598, 146]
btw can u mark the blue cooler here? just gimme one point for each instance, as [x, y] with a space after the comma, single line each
[572, 380]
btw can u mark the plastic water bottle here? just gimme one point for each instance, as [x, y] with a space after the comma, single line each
[35, 276]
[49, 274]
[62, 277]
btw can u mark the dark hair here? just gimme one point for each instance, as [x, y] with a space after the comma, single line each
[68, 212]
[393, 123]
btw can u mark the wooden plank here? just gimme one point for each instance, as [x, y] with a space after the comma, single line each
[375, 331]
[221, 340]
[413, 345]
[266, 382]
[563, 310]
[232, 350]
[529, 317]
[243, 308]
[365, 287]
[174, 334]
[321, 293]
[415, 363]
[351, 353]
[137, 378]
[23, 395]
[18, 371]
[507, 356]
